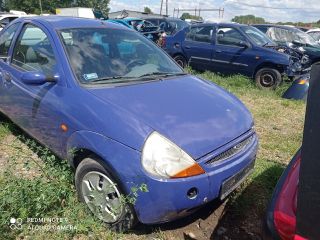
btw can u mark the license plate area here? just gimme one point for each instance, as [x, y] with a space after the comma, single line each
[233, 182]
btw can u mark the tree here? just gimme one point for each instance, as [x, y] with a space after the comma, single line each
[50, 6]
[33, 6]
[189, 16]
[147, 10]
[248, 19]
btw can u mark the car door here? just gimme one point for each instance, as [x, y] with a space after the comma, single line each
[6, 40]
[198, 46]
[232, 51]
[35, 108]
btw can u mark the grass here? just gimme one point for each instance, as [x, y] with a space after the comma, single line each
[48, 191]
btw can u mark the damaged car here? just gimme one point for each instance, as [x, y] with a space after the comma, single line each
[295, 39]
[142, 26]
[126, 116]
[234, 49]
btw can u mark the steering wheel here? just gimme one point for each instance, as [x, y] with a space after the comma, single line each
[135, 62]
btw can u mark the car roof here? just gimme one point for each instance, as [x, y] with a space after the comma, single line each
[60, 22]
[224, 24]
[8, 15]
[314, 30]
[274, 25]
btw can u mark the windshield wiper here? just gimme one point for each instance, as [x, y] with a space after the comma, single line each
[163, 74]
[114, 79]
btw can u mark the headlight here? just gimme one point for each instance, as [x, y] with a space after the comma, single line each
[164, 159]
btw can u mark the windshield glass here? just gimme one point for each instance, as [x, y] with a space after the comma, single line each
[112, 55]
[257, 36]
[290, 35]
[306, 38]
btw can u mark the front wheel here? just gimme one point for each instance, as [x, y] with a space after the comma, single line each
[181, 60]
[101, 193]
[268, 78]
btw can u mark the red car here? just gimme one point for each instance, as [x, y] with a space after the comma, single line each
[294, 210]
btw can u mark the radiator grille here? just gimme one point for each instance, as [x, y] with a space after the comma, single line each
[231, 151]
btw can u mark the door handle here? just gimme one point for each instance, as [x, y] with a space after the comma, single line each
[7, 76]
[187, 47]
[218, 51]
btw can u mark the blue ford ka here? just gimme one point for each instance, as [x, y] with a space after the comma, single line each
[125, 115]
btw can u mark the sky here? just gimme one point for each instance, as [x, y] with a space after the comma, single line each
[271, 10]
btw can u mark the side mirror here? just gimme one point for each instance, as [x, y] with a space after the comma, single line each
[37, 78]
[244, 44]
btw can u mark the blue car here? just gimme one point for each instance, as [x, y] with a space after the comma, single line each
[124, 119]
[143, 26]
[232, 49]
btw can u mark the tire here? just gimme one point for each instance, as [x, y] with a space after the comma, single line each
[99, 190]
[268, 78]
[181, 60]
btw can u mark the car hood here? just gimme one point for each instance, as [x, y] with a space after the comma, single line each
[196, 115]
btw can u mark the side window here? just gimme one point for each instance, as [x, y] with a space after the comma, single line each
[33, 51]
[191, 34]
[200, 34]
[229, 36]
[6, 39]
[204, 34]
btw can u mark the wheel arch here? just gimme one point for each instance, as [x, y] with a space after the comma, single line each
[116, 158]
[273, 65]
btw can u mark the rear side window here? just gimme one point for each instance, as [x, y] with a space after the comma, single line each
[200, 34]
[229, 36]
[33, 51]
[6, 39]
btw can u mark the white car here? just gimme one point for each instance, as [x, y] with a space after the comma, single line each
[315, 33]
[6, 19]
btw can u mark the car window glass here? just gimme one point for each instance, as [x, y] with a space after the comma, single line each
[6, 39]
[33, 51]
[281, 35]
[190, 35]
[100, 53]
[315, 35]
[200, 34]
[263, 29]
[5, 21]
[229, 36]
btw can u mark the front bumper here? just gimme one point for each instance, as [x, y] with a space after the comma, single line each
[168, 199]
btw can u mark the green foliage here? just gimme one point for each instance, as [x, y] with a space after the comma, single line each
[49, 6]
[189, 16]
[248, 19]
[33, 6]
[48, 194]
[147, 10]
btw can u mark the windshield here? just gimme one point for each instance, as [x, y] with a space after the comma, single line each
[113, 55]
[290, 35]
[306, 39]
[257, 36]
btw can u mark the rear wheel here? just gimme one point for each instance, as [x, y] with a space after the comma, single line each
[181, 60]
[268, 78]
[102, 194]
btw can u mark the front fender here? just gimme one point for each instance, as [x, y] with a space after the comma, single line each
[122, 161]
